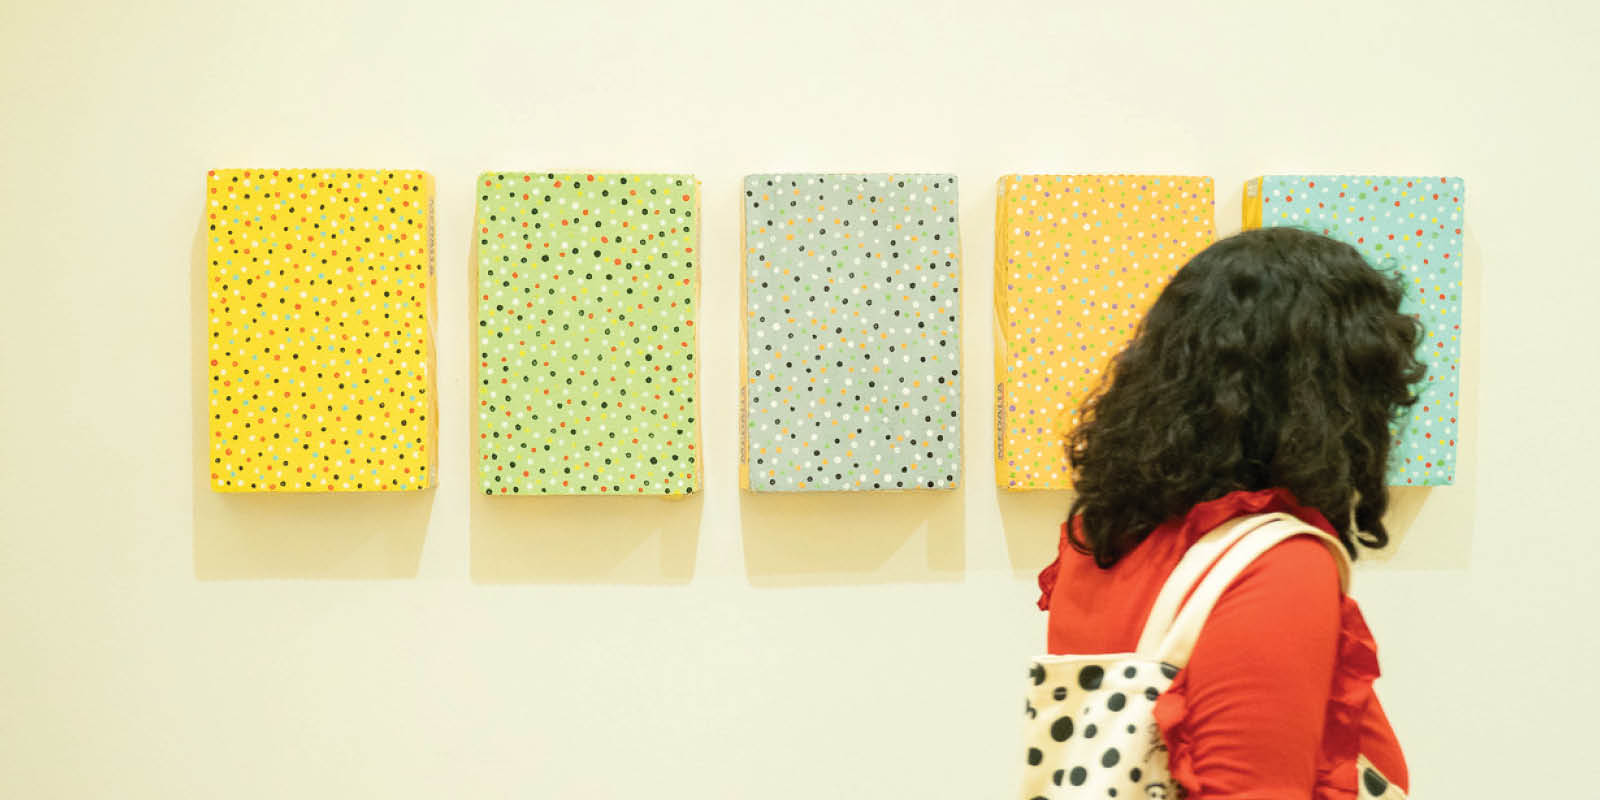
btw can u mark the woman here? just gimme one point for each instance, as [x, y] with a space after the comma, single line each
[1264, 378]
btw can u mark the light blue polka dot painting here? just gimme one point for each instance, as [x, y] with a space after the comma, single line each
[1410, 225]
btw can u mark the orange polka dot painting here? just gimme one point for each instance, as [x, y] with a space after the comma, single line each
[852, 334]
[1409, 226]
[319, 288]
[587, 301]
[1078, 260]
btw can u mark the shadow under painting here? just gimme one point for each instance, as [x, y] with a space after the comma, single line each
[833, 538]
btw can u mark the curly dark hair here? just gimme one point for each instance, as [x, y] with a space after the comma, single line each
[1274, 358]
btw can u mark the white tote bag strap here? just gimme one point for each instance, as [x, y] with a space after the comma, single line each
[1199, 557]
[1178, 643]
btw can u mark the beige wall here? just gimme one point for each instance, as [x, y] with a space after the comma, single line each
[158, 641]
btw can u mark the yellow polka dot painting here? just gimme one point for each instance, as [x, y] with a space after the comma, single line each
[1078, 260]
[587, 298]
[852, 351]
[319, 286]
[1409, 226]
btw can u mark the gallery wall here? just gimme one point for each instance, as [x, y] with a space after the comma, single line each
[162, 640]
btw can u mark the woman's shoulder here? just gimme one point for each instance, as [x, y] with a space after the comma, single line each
[1296, 578]
[1156, 555]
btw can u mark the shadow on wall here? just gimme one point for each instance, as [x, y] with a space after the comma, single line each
[336, 536]
[1032, 522]
[618, 540]
[243, 536]
[1405, 504]
[829, 538]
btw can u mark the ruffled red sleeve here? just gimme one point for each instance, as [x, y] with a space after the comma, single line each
[1246, 717]
[1047, 576]
[1348, 704]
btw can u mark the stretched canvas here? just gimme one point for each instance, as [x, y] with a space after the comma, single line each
[1078, 260]
[319, 288]
[852, 340]
[1409, 226]
[587, 297]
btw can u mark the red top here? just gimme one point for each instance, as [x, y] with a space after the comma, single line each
[1276, 701]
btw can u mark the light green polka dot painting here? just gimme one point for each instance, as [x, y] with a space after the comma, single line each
[587, 368]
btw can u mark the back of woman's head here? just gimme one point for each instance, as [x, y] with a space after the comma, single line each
[1275, 358]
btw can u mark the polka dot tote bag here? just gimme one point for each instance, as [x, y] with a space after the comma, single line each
[1090, 730]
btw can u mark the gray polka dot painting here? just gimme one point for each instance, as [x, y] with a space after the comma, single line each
[852, 333]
